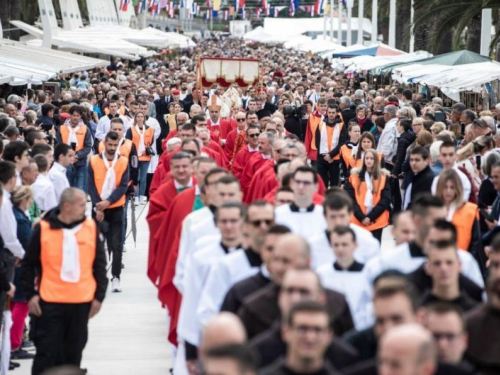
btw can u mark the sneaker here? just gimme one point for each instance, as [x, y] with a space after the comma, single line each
[115, 285]
[21, 354]
[136, 201]
[13, 365]
[143, 200]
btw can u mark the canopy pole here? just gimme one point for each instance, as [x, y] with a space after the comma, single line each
[361, 18]
[331, 20]
[486, 31]
[392, 24]
[412, 27]
[339, 16]
[374, 21]
[349, 22]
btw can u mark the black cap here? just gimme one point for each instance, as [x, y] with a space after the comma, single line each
[263, 113]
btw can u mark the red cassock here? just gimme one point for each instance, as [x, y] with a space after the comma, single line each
[230, 142]
[254, 163]
[218, 148]
[257, 179]
[166, 255]
[161, 173]
[159, 203]
[223, 128]
[240, 161]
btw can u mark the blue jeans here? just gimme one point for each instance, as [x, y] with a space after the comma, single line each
[143, 174]
[77, 176]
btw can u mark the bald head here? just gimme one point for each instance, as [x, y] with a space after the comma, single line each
[404, 228]
[290, 251]
[226, 328]
[407, 349]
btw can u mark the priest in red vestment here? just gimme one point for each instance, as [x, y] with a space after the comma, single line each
[204, 136]
[240, 141]
[181, 178]
[241, 158]
[257, 160]
[241, 126]
[215, 123]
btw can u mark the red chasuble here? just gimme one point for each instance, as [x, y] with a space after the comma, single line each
[168, 238]
[257, 180]
[240, 161]
[254, 163]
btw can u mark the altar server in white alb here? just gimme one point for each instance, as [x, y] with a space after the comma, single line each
[303, 217]
[229, 220]
[407, 257]
[345, 275]
[194, 218]
[226, 189]
[238, 265]
[338, 209]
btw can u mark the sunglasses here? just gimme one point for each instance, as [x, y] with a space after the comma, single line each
[258, 223]
[240, 120]
[253, 135]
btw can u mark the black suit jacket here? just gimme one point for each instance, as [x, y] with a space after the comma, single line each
[370, 368]
[239, 291]
[279, 368]
[161, 110]
[270, 346]
[260, 310]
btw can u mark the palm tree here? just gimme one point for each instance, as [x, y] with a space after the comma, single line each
[457, 15]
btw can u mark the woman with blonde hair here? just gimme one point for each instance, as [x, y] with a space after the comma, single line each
[368, 186]
[466, 156]
[463, 215]
[437, 128]
[21, 197]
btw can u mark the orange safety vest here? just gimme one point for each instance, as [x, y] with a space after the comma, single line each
[125, 148]
[383, 220]
[52, 288]
[149, 134]
[80, 135]
[314, 122]
[345, 153]
[329, 136]
[463, 219]
[99, 169]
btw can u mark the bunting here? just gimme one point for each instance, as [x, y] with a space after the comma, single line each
[257, 12]
[275, 12]
[243, 14]
[225, 15]
[291, 8]
[163, 4]
[141, 6]
[155, 8]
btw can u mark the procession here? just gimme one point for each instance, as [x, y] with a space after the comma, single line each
[249, 188]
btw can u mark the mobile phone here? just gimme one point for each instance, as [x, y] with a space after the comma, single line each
[73, 146]
[486, 215]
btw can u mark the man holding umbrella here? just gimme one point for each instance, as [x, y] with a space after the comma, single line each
[66, 256]
[108, 184]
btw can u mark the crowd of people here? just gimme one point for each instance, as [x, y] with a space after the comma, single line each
[310, 224]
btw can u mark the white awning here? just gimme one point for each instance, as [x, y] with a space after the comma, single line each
[45, 59]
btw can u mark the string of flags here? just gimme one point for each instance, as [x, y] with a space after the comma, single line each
[214, 8]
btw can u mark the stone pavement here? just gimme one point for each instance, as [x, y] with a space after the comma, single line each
[128, 336]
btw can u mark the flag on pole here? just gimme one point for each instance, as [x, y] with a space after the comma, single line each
[291, 8]
[275, 12]
[312, 11]
[225, 15]
[171, 10]
[264, 4]
[217, 4]
[208, 14]
[243, 14]
[141, 6]
[124, 5]
[163, 4]
[257, 12]
[155, 8]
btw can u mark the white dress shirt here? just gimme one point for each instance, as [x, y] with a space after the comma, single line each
[387, 143]
[44, 193]
[104, 125]
[57, 175]
[8, 227]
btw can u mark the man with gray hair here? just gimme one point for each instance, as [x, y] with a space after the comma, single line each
[258, 159]
[144, 96]
[387, 143]
[348, 113]
[13, 99]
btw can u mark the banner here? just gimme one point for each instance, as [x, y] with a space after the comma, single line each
[216, 6]
[124, 5]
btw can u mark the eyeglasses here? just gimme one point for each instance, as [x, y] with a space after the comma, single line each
[302, 182]
[240, 120]
[255, 135]
[258, 223]
[214, 111]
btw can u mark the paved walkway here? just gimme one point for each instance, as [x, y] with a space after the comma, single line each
[128, 336]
